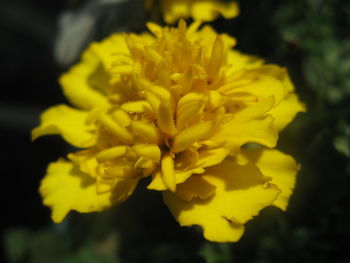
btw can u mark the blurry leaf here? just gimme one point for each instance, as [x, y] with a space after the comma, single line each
[54, 246]
[48, 246]
[342, 141]
[342, 144]
[17, 242]
[216, 253]
[88, 254]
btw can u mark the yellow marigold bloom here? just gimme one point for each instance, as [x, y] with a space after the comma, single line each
[201, 10]
[175, 106]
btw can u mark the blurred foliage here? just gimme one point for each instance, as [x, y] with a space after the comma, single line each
[50, 245]
[310, 37]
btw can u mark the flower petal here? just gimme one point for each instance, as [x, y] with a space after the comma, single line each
[68, 122]
[249, 125]
[159, 184]
[168, 173]
[184, 139]
[211, 157]
[150, 151]
[238, 61]
[77, 86]
[209, 10]
[241, 192]
[65, 188]
[285, 112]
[195, 186]
[86, 161]
[262, 88]
[278, 73]
[281, 167]
[109, 48]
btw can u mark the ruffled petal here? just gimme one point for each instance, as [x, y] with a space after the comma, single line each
[209, 10]
[86, 161]
[238, 60]
[175, 10]
[285, 112]
[195, 186]
[281, 167]
[68, 122]
[206, 36]
[216, 228]
[77, 85]
[65, 188]
[278, 73]
[241, 192]
[199, 10]
[249, 125]
[109, 48]
[269, 80]
[158, 182]
[205, 159]
[262, 88]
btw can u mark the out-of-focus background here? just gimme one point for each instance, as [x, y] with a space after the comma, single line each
[41, 39]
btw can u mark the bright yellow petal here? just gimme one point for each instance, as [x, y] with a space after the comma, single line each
[281, 167]
[211, 157]
[229, 10]
[209, 10]
[158, 183]
[262, 88]
[187, 108]
[241, 192]
[146, 132]
[195, 186]
[136, 107]
[150, 151]
[238, 61]
[68, 122]
[285, 112]
[278, 73]
[77, 86]
[206, 36]
[249, 125]
[165, 120]
[184, 139]
[216, 228]
[65, 188]
[111, 153]
[115, 48]
[205, 159]
[175, 10]
[109, 48]
[265, 81]
[117, 130]
[86, 161]
[168, 173]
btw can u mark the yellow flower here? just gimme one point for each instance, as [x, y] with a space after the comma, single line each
[202, 10]
[177, 107]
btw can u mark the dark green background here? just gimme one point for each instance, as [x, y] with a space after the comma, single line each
[309, 37]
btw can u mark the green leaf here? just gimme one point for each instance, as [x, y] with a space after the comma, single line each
[216, 253]
[17, 242]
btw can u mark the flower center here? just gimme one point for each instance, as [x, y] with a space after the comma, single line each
[165, 104]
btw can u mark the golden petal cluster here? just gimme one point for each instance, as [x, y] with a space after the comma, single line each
[178, 106]
[199, 10]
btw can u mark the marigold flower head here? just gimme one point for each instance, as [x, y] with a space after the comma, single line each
[201, 10]
[175, 106]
